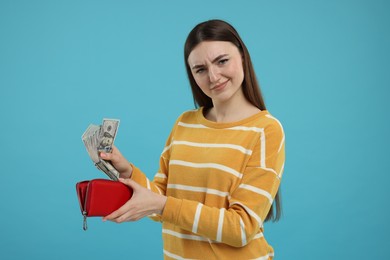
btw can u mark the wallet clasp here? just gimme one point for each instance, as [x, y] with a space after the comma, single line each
[85, 226]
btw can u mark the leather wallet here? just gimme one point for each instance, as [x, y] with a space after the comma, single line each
[101, 197]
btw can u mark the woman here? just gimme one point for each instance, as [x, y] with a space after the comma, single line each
[221, 167]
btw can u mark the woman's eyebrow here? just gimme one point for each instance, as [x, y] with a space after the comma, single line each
[196, 67]
[216, 59]
[219, 57]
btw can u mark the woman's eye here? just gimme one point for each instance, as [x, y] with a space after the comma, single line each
[223, 61]
[198, 71]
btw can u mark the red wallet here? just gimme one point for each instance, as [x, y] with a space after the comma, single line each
[101, 197]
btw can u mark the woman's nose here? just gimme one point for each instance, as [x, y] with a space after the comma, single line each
[214, 74]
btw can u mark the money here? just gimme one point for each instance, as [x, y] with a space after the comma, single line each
[100, 138]
[107, 135]
[90, 141]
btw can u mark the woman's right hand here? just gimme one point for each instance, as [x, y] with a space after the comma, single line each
[119, 162]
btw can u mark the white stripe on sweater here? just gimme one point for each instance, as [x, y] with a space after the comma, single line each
[204, 239]
[192, 125]
[184, 236]
[196, 219]
[243, 233]
[246, 128]
[147, 184]
[281, 127]
[239, 128]
[160, 175]
[220, 224]
[198, 189]
[189, 237]
[258, 191]
[262, 149]
[250, 212]
[269, 170]
[159, 191]
[281, 171]
[212, 145]
[207, 165]
[266, 257]
[174, 256]
[258, 235]
[166, 148]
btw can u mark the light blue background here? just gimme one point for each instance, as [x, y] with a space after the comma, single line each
[324, 70]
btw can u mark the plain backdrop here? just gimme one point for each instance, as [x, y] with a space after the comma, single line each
[324, 70]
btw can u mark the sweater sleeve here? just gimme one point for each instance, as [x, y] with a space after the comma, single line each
[249, 202]
[159, 183]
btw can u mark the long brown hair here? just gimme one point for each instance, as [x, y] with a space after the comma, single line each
[218, 30]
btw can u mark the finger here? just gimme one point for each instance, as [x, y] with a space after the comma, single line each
[110, 156]
[111, 216]
[116, 214]
[115, 149]
[119, 217]
[130, 215]
[115, 217]
[125, 217]
[106, 156]
[129, 182]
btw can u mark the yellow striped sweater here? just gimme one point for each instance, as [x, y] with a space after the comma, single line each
[220, 180]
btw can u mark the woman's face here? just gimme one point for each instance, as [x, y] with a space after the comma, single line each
[217, 69]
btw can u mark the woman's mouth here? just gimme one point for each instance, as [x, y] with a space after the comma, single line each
[219, 86]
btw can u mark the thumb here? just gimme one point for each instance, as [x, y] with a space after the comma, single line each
[106, 156]
[129, 182]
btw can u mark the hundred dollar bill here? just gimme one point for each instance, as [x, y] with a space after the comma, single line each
[90, 139]
[107, 134]
[100, 139]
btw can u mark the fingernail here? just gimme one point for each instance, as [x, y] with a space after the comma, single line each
[103, 155]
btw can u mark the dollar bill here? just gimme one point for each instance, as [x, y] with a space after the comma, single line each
[90, 141]
[107, 134]
[100, 138]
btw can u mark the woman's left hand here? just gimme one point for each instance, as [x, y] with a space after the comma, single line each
[143, 203]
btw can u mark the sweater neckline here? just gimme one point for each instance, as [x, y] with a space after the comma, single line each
[203, 120]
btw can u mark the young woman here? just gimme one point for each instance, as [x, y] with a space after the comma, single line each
[222, 164]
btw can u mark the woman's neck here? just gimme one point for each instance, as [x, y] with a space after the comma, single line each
[231, 111]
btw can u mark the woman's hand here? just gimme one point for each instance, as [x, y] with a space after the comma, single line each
[120, 163]
[143, 203]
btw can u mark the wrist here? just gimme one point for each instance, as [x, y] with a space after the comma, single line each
[161, 204]
[127, 173]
